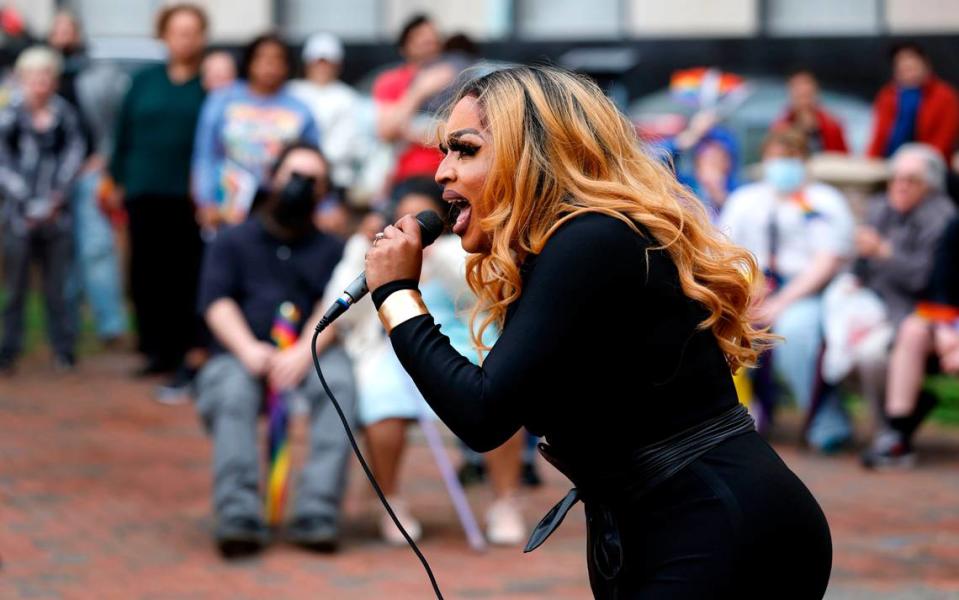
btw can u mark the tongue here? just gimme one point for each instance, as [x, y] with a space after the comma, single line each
[462, 221]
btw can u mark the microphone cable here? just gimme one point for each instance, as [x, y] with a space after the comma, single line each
[324, 322]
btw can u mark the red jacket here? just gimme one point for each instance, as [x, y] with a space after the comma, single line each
[830, 130]
[937, 123]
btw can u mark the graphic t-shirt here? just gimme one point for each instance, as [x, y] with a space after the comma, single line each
[239, 137]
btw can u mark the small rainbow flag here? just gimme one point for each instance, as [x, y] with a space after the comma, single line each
[284, 333]
[808, 212]
[704, 87]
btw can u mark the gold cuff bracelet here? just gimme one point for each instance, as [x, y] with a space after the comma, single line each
[400, 306]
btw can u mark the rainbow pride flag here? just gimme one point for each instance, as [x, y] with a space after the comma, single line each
[808, 211]
[705, 87]
[285, 332]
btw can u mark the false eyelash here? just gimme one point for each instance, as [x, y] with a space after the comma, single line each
[460, 147]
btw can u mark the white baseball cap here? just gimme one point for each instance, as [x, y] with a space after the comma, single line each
[323, 46]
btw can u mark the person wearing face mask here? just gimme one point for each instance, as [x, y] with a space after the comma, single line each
[801, 233]
[916, 106]
[249, 270]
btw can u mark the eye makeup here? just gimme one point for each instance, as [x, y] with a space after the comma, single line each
[456, 143]
[460, 147]
[464, 148]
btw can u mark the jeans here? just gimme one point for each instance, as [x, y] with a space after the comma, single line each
[96, 270]
[51, 245]
[229, 401]
[795, 361]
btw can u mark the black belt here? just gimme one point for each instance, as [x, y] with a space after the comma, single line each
[648, 467]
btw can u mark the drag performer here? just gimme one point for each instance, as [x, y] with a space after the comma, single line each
[622, 313]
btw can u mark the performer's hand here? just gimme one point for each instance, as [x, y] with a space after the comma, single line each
[288, 367]
[256, 358]
[397, 255]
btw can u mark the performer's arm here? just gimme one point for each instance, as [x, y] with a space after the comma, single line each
[580, 264]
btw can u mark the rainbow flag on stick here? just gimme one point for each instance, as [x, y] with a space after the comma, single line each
[708, 88]
[284, 333]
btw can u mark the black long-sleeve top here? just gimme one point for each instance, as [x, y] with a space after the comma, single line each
[601, 352]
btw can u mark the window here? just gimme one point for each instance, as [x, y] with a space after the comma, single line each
[479, 19]
[693, 18]
[568, 19]
[822, 17]
[115, 17]
[360, 20]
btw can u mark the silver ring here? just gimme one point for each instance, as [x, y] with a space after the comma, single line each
[378, 237]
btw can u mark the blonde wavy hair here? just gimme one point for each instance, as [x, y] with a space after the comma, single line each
[561, 149]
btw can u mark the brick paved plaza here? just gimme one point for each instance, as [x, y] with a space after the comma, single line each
[104, 494]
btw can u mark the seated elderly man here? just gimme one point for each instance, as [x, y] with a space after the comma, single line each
[801, 233]
[928, 339]
[249, 271]
[896, 244]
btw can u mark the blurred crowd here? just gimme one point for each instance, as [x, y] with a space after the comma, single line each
[233, 202]
[863, 294]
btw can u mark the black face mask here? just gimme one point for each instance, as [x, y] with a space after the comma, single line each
[295, 202]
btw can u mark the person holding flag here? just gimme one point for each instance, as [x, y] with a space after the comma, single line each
[275, 261]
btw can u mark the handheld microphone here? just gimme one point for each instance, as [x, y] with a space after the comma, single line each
[431, 226]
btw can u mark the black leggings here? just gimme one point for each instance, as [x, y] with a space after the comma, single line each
[736, 523]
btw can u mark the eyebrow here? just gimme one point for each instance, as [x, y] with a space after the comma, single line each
[462, 132]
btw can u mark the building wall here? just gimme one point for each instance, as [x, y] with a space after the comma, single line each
[693, 18]
[377, 21]
[926, 16]
[36, 13]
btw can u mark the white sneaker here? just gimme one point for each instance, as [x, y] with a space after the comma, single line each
[504, 523]
[388, 530]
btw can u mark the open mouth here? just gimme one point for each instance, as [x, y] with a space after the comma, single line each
[460, 210]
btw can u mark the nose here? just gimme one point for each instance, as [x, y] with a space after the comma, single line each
[445, 174]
